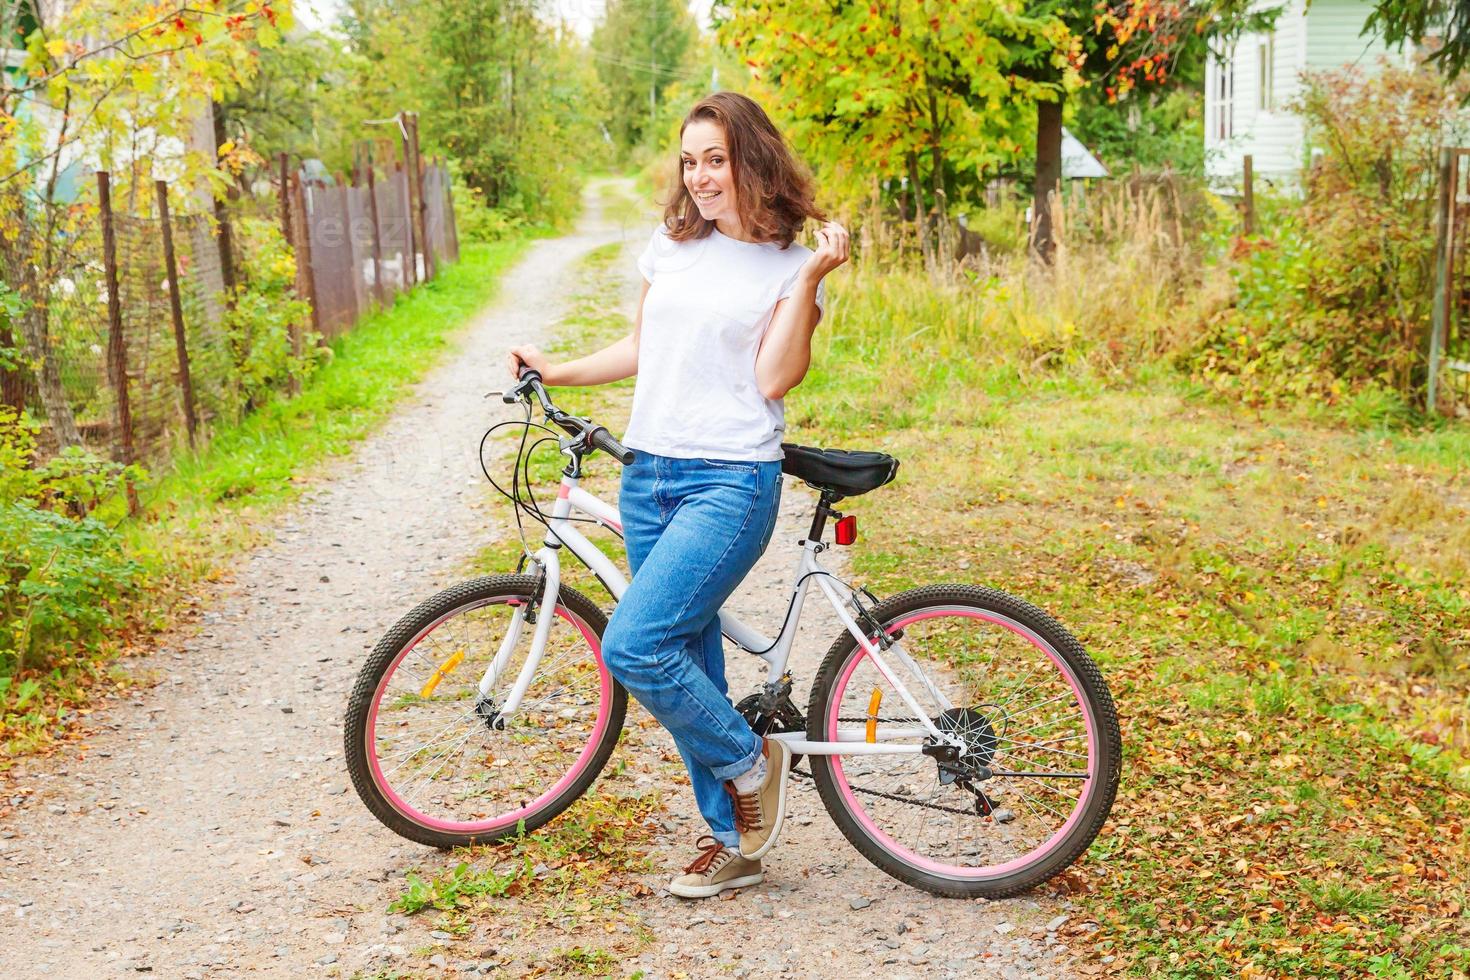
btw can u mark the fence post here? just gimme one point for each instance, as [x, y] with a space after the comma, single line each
[422, 212]
[344, 194]
[410, 261]
[1248, 198]
[449, 213]
[1443, 244]
[176, 310]
[372, 185]
[117, 354]
[305, 277]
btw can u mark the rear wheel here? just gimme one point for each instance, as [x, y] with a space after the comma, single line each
[1041, 757]
[429, 753]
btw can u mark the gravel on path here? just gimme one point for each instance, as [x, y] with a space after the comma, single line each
[210, 829]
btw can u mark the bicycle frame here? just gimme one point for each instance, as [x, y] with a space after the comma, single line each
[562, 532]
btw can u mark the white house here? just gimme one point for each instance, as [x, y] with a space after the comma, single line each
[1249, 85]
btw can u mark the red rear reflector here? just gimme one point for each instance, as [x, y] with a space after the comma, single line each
[846, 529]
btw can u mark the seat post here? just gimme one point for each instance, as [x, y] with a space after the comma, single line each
[824, 510]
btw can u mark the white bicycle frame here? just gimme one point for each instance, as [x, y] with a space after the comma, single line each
[562, 532]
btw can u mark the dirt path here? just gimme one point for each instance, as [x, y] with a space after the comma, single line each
[209, 828]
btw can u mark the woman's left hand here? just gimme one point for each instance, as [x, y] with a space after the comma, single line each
[832, 251]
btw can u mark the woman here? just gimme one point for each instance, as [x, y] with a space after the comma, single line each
[723, 331]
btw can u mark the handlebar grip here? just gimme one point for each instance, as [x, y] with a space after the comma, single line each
[602, 439]
[528, 373]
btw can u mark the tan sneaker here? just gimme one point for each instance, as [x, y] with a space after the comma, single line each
[716, 869]
[759, 813]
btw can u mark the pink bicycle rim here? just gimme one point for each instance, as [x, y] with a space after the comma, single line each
[510, 819]
[918, 860]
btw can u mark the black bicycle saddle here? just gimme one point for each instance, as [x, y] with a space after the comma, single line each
[845, 472]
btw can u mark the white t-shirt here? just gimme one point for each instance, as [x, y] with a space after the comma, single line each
[708, 306]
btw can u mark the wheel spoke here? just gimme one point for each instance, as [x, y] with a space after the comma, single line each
[1027, 746]
[439, 759]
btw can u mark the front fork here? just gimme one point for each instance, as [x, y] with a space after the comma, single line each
[541, 611]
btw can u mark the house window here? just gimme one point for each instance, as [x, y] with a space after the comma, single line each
[1266, 72]
[1220, 97]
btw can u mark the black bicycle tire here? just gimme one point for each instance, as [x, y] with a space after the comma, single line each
[448, 602]
[1094, 688]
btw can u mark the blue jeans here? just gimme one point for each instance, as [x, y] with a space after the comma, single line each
[693, 529]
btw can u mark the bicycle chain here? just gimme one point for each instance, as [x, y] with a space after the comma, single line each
[890, 796]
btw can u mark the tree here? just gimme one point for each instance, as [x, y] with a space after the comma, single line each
[1418, 21]
[109, 84]
[921, 92]
[640, 48]
[295, 101]
[1123, 46]
[509, 97]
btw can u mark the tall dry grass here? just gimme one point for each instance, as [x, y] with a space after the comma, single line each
[1129, 285]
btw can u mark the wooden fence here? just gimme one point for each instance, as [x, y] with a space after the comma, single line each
[132, 347]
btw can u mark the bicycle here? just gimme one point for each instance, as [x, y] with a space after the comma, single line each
[486, 711]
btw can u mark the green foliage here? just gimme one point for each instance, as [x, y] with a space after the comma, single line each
[12, 306]
[62, 574]
[476, 221]
[640, 47]
[293, 103]
[1001, 228]
[257, 357]
[61, 580]
[1154, 130]
[446, 892]
[516, 103]
[911, 88]
[1338, 298]
[1424, 22]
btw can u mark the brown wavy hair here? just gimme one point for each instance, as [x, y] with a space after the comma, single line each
[773, 192]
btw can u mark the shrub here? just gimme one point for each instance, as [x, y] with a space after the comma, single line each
[476, 221]
[1337, 299]
[256, 357]
[62, 573]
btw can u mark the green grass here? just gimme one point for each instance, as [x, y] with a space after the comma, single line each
[1278, 601]
[259, 461]
[205, 508]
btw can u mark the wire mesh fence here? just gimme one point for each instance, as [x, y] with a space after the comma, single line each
[160, 312]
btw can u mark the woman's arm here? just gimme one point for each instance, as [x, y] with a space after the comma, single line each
[786, 350]
[614, 362]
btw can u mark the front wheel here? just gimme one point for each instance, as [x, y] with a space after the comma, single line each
[427, 748]
[1041, 748]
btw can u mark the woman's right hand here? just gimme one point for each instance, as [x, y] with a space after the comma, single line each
[526, 356]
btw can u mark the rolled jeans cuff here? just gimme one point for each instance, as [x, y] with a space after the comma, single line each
[723, 773]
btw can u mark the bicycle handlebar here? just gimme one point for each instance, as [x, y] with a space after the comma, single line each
[603, 439]
[596, 436]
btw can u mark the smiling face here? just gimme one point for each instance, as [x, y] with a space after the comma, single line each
[709, 177]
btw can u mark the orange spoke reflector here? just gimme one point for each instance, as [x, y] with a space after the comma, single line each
[441, 673]
[873, 703]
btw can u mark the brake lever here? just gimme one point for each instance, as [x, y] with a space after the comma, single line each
[509, 397]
